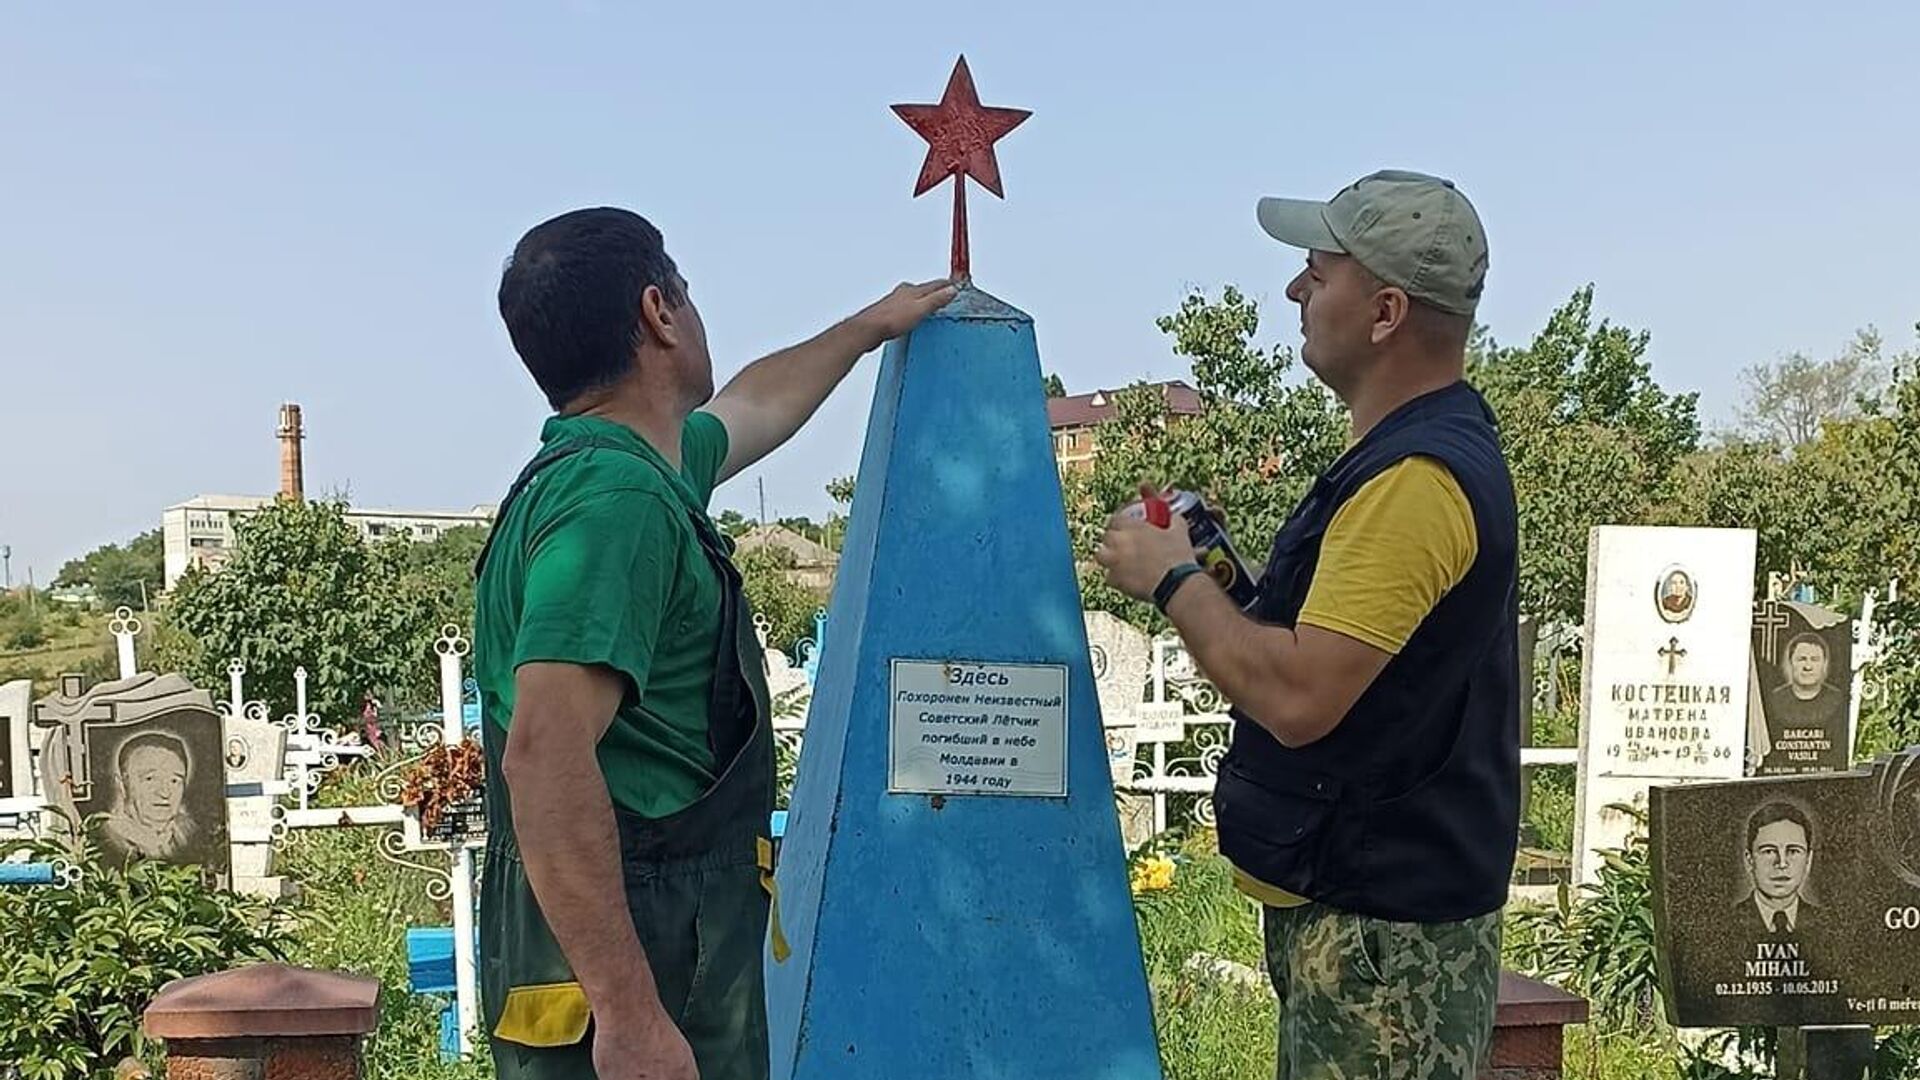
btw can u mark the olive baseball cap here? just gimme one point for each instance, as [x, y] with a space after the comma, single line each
[1411, 230]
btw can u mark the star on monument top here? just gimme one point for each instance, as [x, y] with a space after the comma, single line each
[960, 134]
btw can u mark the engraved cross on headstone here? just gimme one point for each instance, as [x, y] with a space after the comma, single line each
[1672, 654]
[1770, 621]
[63, 711]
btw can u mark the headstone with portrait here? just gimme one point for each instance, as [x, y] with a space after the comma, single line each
[1666, 672]
[139, 762]
[1790, 901]
[1122, 657]
[253, 753]
[16, 744]
[1799, 715]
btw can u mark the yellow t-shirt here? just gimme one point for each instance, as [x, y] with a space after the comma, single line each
[1390, 553]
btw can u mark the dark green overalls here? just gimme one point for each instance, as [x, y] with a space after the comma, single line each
[698, 882]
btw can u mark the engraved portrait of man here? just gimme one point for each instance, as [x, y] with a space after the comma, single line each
[1805, 698]
[1778, 858]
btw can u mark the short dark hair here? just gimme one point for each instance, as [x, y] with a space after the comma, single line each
[1772, 812]
[570, 296]
[1807, 637]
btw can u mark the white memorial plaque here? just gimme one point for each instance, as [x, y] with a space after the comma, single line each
[1160, 721]
[250, 820]
[253, 751]
[968, 728]
[1664, 694]
[252, 860]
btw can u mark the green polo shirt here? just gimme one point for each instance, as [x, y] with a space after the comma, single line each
[597, 563]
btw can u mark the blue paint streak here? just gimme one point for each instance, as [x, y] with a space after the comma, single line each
[430, 970]
[32, 873]
[994, 938]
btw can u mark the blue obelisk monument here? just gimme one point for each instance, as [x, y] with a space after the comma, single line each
[952, 881]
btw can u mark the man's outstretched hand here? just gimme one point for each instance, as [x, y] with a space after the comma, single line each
[904, 308]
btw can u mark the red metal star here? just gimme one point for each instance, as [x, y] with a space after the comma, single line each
[960, 134]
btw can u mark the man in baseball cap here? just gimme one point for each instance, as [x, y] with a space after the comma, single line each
[1370, 798]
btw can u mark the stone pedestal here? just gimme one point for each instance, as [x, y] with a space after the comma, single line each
[1825, 1053]
[1528, 1029]
[264, 1022]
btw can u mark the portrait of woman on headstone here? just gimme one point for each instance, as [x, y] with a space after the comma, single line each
[1676, 596]
[148, 816]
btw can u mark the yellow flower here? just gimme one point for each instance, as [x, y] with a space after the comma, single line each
[1152, 874]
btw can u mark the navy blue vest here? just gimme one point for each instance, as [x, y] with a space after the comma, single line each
[1409, 809]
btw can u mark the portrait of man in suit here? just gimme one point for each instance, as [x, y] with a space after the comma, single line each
[1779, 857]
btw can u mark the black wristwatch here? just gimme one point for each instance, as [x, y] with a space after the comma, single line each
[1170, 584]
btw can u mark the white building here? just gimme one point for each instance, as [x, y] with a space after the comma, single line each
[200, 531]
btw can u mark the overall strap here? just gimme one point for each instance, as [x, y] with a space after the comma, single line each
[540, 461]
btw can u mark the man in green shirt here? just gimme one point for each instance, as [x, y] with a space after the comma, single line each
[624, 899]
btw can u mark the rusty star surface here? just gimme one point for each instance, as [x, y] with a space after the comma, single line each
[960, 134]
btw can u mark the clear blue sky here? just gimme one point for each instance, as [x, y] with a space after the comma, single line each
[208, 209]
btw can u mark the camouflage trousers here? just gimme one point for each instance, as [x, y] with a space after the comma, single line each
[1366, 999]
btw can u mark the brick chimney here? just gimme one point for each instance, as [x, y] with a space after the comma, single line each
[293, 475]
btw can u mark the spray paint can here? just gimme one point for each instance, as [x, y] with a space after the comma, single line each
[1214, 550]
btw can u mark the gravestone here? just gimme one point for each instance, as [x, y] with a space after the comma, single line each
[146, 752]
[1122, 658]
[1800, 695]
[952, 872]
[1790, 901]
[16, 742]
[783, 675]
[1665, 681]
[254, 755]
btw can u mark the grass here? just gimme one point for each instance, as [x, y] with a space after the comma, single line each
[76, 641]
[352, 916]
[356, 906]
[1209, 1027]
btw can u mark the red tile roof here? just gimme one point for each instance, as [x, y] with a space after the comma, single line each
[1085, 410]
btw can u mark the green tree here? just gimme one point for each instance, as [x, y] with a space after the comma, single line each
[733, 522]
[1788, 400]
[1055, 388]
[120, 576]
[788, 605]
[1591, 439]
[1892, 717]
[1256, 444]
[303, 589]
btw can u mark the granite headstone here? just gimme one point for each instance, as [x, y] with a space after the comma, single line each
[1790, 901]
[1799, 696]
[146, 752]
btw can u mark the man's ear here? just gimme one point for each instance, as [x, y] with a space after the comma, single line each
[656, 317]
[1391, 306]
